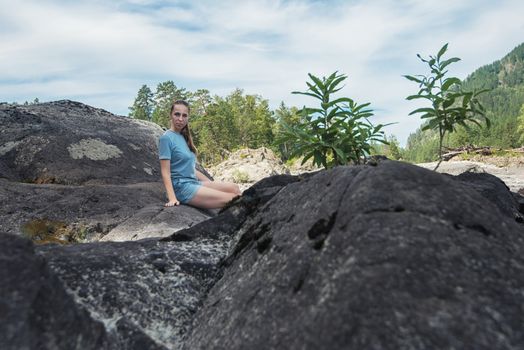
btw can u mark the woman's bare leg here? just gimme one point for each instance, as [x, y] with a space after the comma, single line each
[223, 186]
[211, 198]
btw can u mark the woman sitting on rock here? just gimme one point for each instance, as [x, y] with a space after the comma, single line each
[185, 184]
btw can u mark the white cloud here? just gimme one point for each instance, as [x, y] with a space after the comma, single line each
[102, 52]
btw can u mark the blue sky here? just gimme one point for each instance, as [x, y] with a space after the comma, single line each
[101, 52]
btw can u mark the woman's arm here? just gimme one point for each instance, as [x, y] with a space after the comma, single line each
[201, 176]
[165, 169]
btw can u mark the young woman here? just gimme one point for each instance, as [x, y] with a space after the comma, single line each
[183, 183]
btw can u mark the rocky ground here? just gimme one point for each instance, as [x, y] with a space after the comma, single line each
[508, 169]
[247, 166]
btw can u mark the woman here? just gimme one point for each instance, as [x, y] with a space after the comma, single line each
[183, 183]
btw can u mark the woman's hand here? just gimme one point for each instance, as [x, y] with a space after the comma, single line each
[172, 203]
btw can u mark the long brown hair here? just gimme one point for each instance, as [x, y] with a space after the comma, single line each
[185, 131]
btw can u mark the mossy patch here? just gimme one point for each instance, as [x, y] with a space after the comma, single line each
[45, 179]
[240, 176]
[41, 180]
[42, 231]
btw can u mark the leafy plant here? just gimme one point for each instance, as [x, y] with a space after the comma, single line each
[337, 132]
[451, 106]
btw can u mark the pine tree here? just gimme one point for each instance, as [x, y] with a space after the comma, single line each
[166, 93]
[200, 101]
[143, 105]
[288, 116]
[520, 127]
[394, 150]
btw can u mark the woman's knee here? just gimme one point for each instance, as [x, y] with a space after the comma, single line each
[235, 189]
[232, 188]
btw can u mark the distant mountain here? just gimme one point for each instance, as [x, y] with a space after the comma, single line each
[505, 80]
[508, 72]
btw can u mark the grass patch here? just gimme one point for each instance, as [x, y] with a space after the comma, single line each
[506, 153]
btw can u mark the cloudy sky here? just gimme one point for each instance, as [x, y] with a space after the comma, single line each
[100, 52]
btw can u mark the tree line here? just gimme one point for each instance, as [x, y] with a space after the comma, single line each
[219, 125]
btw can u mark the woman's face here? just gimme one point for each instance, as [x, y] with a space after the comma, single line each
[179, 117]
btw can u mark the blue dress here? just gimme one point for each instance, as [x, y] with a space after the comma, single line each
[173, 146]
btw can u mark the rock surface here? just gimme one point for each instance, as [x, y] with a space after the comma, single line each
[71, 143]
[157, 221]
[496, 191]
[148, 288]
[90, 211]
[512, 175]
[146, 292]
[385, 257]
[35, 310]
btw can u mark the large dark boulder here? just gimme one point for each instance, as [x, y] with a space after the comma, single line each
[68, 142]
[386, 257]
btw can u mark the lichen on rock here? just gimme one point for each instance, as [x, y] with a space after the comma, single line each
[8, 146]
[27, 149]
[94, 149]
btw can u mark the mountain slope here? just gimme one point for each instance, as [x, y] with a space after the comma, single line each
[505, 80]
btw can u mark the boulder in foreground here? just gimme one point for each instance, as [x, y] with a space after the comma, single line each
[391, 256]
[385, 257]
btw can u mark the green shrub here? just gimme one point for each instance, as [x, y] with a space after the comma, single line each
[336, 132]
[451, 106]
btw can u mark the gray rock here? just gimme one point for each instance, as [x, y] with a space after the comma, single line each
[89, 211]
[496, 191]
[35, 310]
[247, 166]
[386, 257]
[144, 292]
[512, 175]
[68, 142]
[157, 221]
